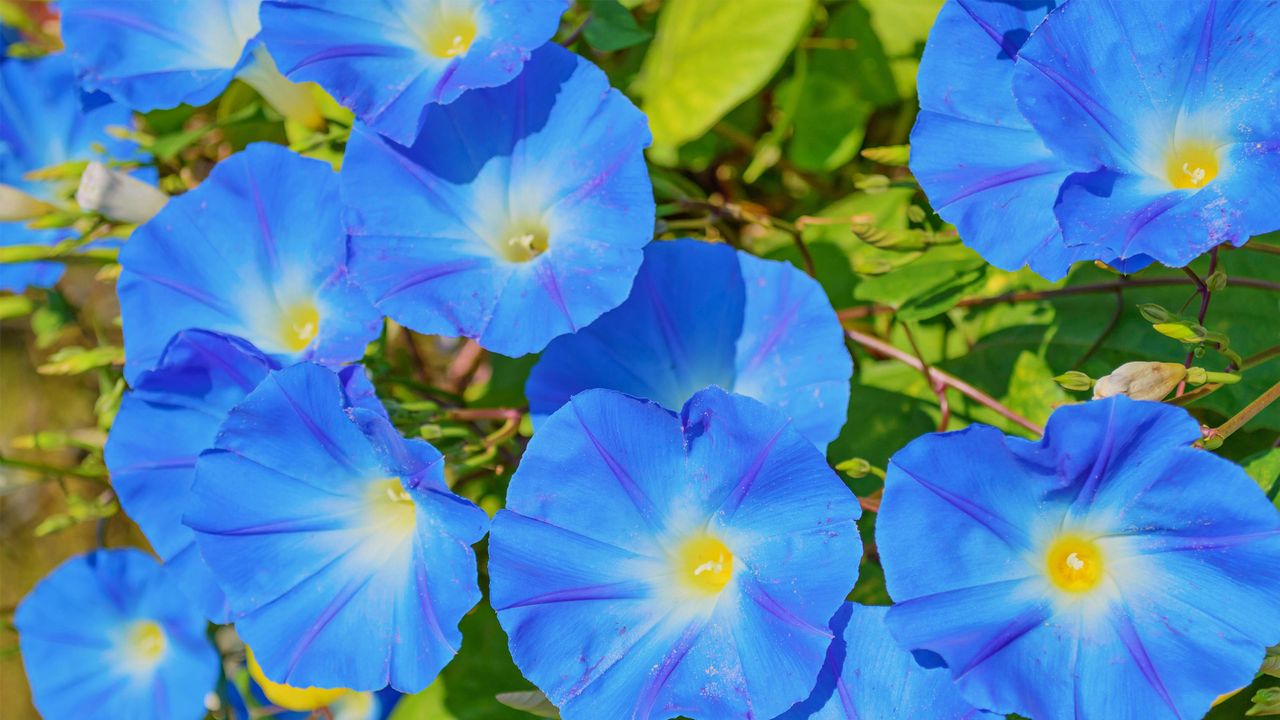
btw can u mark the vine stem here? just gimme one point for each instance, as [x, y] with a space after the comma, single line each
[939, 389]
[1215, 436]
[862, 311]
[52, 470]
[1252, 361]
[1205, 297]
[941, 377]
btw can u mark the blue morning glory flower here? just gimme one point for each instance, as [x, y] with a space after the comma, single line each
[389, 60]
[198, 379]
[43, 123]
[867, 675]
[1131, 130]
[151, 55]
[517, 215]
[256, 251]
[110, 634]
[1109, 570]
[346, 560]
[650, 564]
[702, 314]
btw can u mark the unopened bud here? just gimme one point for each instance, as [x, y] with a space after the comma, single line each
[1216, 281]
[117, 195]
[16, 205]
[1182, 331]
[1154, 313]
[855, 467]
[1140, 380]
[1074, 380]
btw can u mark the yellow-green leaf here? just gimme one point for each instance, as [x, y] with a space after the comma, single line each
[709, 55]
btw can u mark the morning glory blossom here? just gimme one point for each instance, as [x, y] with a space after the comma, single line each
[44, 122]
[150, 55]
[390, 60]
[198, 379]
[256, 251]
[1135, 130]
[702, 314]
[517, 215]
[111, 634]
[1109, 570]
[650, 564]
[346, 560]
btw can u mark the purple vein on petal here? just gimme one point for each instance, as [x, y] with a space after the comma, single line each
[203, 298]
[1025, 622]
[664, 670]
[1123, 625]
[434, 272]
[760, 597]
[547, 278]
[329, 444]
[424, 596]
[331, 611]
[641, 501]
[734, 499]
[1000, 179]
[622, 590]
[1001, 528]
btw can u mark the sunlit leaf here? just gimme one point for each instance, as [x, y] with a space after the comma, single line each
[709, 55]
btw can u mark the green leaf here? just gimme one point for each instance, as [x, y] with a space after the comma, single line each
[482, 669]
[530, 701]
[1264, 468]
[837, 253]
[612, 27]
[929, 286]
[1033, 391]
[844, 80]
[710, 55]
[1065, 328]
[426, 705]
[50, 319]
[902, 27]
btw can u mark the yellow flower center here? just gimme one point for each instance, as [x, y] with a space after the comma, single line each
[1074, 564]
[287, 696]
[704, 564]
[391, 509]
[1192, 165]
[452, 36]
[299, 325]
[146, 643]
[524, 240]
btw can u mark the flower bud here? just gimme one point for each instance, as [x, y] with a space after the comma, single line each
[1074, 380]
[1154, 313]
[16, 205]
[1140, 380]
[117, 195]
[855, 467]
[1216, 281]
